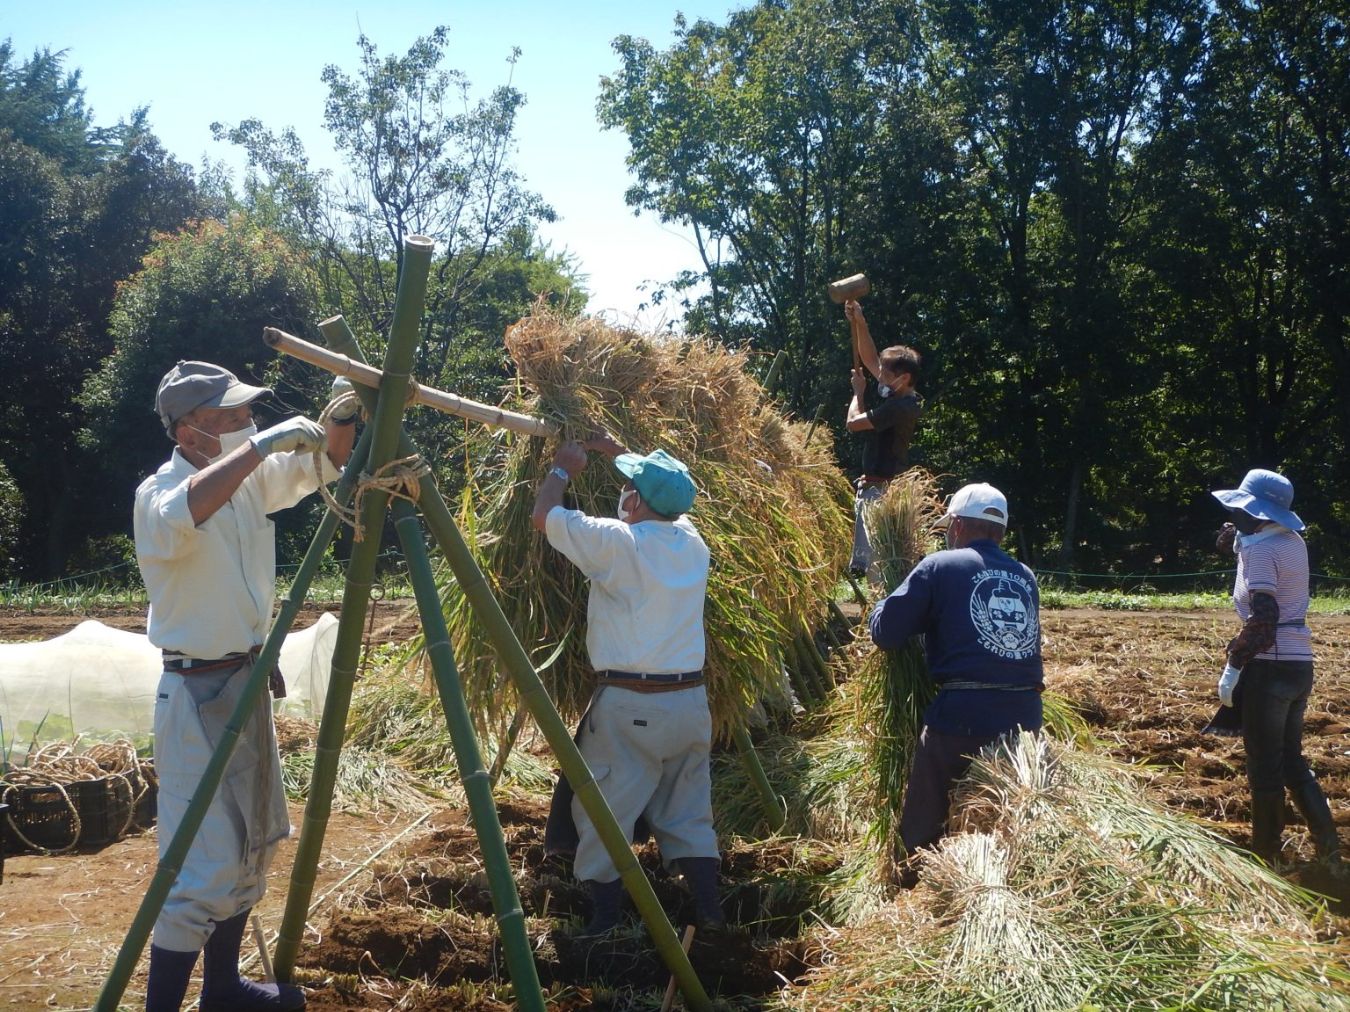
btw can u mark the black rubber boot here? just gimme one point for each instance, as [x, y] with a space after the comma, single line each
[1267, 824]
[223, 990]
[701, 874]
[170, 972]
[1311, 803]
[606, 907]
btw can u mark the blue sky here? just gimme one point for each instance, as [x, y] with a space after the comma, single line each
[196, 63]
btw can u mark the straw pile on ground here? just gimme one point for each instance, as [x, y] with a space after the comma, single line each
[773, 508]
[1066, 887]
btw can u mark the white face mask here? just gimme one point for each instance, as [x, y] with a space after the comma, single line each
[230, 441]
[883, 390]
[622, 513]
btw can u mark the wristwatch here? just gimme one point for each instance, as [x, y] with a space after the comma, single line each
[561, 473]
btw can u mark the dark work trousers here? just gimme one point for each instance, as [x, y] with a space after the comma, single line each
[939, 761]
[1274, 698]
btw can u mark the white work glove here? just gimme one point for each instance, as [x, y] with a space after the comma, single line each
[1227, 683]
[299, 433]
[349, 408]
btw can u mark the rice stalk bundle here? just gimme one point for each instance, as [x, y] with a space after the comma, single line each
[895, 685]
[398, 715]
[773, 512]
[1053, 898]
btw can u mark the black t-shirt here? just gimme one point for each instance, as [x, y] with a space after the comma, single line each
[886, 450]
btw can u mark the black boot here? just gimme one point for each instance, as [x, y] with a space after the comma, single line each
[170, 972]
[222, 988]
[701, 874]
[1267, 824]
[606, 907]
[1312, 805]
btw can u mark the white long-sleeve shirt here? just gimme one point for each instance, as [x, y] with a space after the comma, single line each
[212, 586]
[648, 584]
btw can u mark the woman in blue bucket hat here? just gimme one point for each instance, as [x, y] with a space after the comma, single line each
[1272, 658]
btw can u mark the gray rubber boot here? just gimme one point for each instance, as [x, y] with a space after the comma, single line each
[1311, 803]
[701, 874]
[1267, 824]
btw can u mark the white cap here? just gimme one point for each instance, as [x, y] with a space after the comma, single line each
[978, 502]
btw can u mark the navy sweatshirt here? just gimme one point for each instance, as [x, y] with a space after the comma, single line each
[978, 610]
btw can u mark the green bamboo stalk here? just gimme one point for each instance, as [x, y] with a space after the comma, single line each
[535, 696]
[775, 370]
[172, 862]
[387, 425]
[477, 784]
[840, 617]
[796, 677]
[774, 814]
[808, 670]
[810, 429]
[818, 661]
[505, 746]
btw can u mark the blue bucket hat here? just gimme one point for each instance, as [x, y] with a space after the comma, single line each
[661, 480]
[1265, 495]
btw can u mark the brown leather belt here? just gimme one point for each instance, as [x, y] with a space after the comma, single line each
[181, 665]
[641, 682]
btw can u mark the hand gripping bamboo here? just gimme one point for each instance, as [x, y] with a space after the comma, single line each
[369, 376]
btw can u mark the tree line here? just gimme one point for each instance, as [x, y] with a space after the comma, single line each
[1115, 231]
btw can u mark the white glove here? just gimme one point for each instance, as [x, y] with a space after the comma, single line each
[1227, 683]
[348, 409]
[297, 433]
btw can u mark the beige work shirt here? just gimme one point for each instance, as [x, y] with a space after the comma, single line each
[212, 586]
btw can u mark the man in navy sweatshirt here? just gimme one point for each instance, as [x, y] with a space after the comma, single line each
[978, 610]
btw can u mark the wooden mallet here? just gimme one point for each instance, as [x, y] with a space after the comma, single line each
[855, 286]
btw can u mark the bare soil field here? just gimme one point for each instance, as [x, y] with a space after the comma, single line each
[412, 928]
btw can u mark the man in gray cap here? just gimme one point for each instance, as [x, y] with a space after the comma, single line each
[648, 732]
[207, 553]
[1272, 656]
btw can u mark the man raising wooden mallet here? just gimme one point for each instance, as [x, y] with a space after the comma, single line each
[888, 426]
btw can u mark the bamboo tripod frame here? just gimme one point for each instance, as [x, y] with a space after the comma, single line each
[382, 439]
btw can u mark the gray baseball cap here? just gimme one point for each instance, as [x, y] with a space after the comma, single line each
[191, 385]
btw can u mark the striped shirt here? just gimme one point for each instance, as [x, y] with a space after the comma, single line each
[1274, 561]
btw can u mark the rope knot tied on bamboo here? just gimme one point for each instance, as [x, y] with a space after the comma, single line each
[401, 478]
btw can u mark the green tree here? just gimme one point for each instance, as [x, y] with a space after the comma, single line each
[763, 137]
[204, 293]
[423, 159]
[78, 206]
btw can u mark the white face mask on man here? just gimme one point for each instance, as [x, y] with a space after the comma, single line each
[620, 512]
[229, 441]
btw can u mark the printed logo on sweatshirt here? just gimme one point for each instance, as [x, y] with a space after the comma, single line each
[1003, 610]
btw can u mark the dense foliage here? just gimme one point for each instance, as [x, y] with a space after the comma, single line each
[1117, 233]
[115, 261]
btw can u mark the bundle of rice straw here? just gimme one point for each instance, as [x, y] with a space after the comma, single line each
[773, 510]
[893, 685]
[1070, 888]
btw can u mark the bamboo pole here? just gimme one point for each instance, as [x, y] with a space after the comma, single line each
[818, 661]
[774, 815]
[775, 370]
[369, 376]
[387, 425]
[796, 677]
[472, 774]
[810, 429]
[535, 697]
[505, 746]
[808, 669]
[172, 861]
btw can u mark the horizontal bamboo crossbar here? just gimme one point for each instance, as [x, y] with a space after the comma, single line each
[369, 376]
